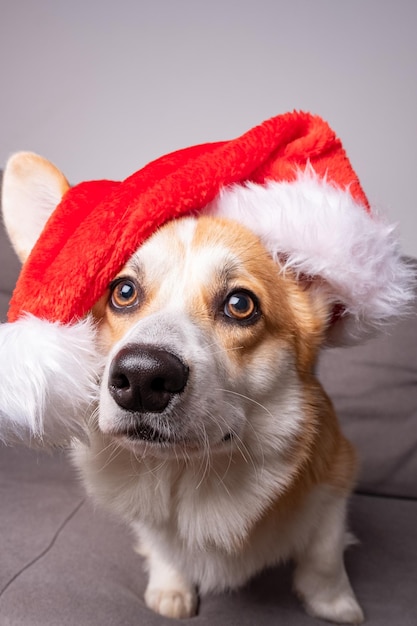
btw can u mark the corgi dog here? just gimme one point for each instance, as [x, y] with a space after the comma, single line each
[211, 435]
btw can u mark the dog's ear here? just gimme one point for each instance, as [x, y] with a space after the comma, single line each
[312, 305]
[32, 189]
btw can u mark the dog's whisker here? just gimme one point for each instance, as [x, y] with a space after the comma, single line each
[257, 466]
[92, 415]
[222, 481]
[203, 465]
[221, 477]
[152, 469]
[229, 463]
[222, 350]
[241, 395]
[243, 449]
[117, 450]
[139, 460]
[105, 449]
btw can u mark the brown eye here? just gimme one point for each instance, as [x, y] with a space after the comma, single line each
[124, 294]
[241, 306]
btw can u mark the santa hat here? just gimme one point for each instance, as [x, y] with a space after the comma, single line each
[288, 180]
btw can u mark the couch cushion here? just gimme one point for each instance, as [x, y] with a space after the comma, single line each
[374, 389]
[63, 562]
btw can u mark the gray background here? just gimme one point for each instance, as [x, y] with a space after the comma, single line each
[102, 87]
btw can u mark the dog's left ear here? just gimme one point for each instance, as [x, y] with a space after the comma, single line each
[323, 311]
[32, 189]
[313, 306]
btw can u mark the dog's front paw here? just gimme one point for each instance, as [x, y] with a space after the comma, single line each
[342, 609]
[178, 603]
[328, 594]
[328, 598]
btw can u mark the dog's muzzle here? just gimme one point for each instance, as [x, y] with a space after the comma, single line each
[144, 378]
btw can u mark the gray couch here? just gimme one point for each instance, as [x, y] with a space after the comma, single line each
[63, 563]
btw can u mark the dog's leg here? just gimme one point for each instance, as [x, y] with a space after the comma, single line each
[168, 592]
[320, 575]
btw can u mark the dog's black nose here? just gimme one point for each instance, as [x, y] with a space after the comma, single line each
[144, 378]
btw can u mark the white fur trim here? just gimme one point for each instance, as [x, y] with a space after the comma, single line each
[48, 380]
[317, 229]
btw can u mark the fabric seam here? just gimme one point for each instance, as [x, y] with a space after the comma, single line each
[45, 550]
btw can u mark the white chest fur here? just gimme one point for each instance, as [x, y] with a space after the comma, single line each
[210, 514]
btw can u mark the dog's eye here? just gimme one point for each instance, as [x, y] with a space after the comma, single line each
[241, 306]
[124, 294]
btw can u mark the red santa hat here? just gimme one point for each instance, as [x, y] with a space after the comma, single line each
[288, 179]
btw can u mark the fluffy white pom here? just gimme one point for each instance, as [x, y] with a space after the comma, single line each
[48, 381]
[319, 230]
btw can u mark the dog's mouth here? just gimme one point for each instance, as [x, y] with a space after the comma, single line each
[144, 433]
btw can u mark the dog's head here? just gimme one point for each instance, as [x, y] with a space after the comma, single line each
[202, 332]
[213, 324]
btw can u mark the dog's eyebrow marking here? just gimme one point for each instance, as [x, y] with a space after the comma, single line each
[231, 271]
[134, 266]
[225, 275]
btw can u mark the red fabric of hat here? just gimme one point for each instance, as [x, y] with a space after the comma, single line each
[99, 224]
